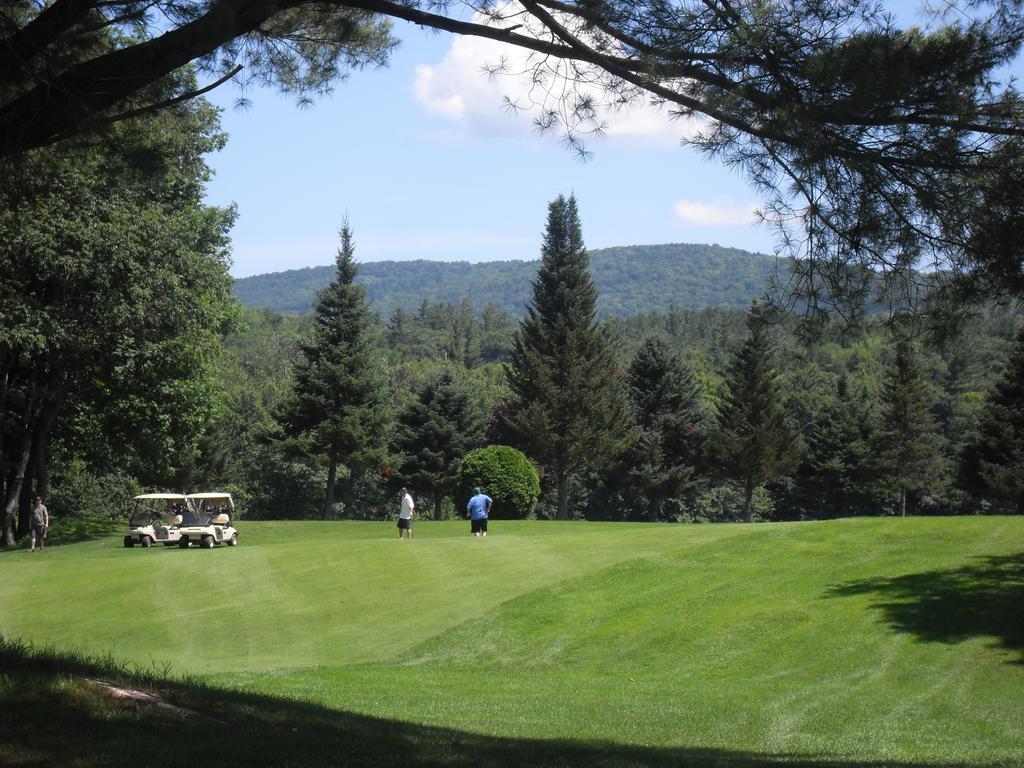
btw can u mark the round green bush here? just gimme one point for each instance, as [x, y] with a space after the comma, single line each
[504, 474]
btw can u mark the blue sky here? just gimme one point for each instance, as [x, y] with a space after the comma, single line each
[427, 164]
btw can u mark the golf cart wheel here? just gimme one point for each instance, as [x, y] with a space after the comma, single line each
[183, 542]
[233, 541]
[145, 541]
[207, 542]
[129, 542]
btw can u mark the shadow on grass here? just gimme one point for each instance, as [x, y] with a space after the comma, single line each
[981, 600]
[57, 717]
[72, 531]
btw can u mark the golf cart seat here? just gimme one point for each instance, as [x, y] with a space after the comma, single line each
[175, 520]
[221, 519]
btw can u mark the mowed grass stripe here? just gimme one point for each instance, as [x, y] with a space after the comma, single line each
[753, 644]
[298, 594]
[891, 641]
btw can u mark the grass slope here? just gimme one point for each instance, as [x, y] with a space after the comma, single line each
[854, 642]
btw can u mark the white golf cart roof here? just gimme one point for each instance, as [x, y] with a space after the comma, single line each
[214, 496]
[168, 496]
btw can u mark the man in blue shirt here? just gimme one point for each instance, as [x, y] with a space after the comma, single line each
[479, 507]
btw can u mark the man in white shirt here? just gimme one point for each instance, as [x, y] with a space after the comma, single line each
[405, 514]
[40, 522]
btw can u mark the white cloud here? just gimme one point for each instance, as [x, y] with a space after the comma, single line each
[459, 89]
[430, 91]
[714, 214]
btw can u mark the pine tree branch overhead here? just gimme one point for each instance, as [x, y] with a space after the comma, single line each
[876, 147]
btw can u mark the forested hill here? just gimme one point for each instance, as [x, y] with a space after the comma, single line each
[630, 279]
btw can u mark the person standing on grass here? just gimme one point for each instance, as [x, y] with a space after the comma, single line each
[479, 507]
[40, 521]
[405, 513]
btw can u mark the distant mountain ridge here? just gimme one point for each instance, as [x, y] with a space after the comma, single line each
[629, 279]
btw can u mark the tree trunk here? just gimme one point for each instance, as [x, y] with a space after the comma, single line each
[5, 375]
[563, 497]
[19, 462]
[14, 491]
[903, 502]
[26, 500]
[332, 481]
[39, 467]
[438, 499]
[41, 439]
[748, 500]
[41, 462]
[27, 497]
[350, 489]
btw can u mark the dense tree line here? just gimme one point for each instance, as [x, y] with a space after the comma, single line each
[711, 414]
[114, 301]
[721, 415]
[629, 280]
[877, 148]
[727, 414]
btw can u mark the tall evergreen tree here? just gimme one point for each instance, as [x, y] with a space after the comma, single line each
[755, 443]
[463, 347]
[433, 434]
[567, 410]
[910, 447]
[496, 333]
[993, 466]
[667, 407]
[397, 330]
[838, 470]
[337, 407]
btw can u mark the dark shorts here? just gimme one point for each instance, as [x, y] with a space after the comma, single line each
[478, 526]
[38, 531]
[405, 524]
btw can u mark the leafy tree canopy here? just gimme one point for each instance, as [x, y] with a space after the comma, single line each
[877, 147]
[993, 463]
[503, 473]
[432, 435]
[114, 298]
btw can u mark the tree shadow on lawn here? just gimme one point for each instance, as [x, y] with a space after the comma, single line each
[56, 717]
[982, 600]
[72, 531]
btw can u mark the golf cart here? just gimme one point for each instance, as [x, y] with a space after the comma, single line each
[208, 521]
[155, 518]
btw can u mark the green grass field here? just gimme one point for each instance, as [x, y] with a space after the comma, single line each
[863, 642]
